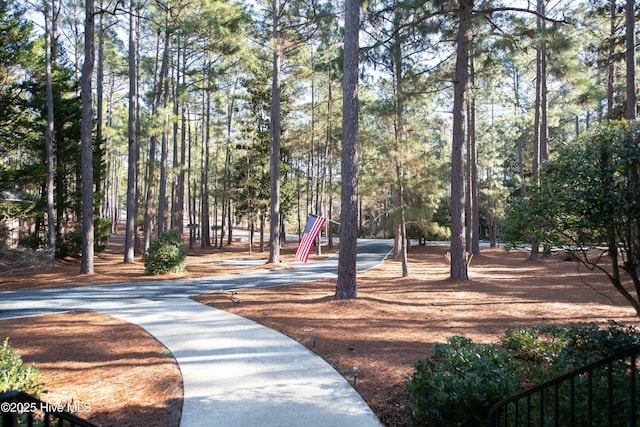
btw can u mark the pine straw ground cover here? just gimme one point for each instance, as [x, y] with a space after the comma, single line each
[128, 378]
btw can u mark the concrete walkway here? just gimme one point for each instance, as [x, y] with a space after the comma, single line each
[239, 373]
[235, 371]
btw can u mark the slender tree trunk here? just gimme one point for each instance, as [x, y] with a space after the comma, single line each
[162, 196]
[177, 205]
[458, 256]
[262, 229]
[175, 71]
[400, 245]
[86, 141]
[402, 225]
[132, 205]
[179, 208]
[226, 197]
[227, 163]
[205, 241]
[299, 198]
[544, 122]
[61, 185]
[150, 173]
[329, 159]
[611, 68]
[311, 164]
[346, 286]
[138, 127]
[274, 169]
[325, 166]
[473, 214]
[49, 157]
[330, 212]
[631, 60]
[320, 185]
[100, 111]
[191, 207]
[540, 153]
[537, 103]
[164, 148]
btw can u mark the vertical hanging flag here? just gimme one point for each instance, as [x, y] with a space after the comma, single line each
[311, 231]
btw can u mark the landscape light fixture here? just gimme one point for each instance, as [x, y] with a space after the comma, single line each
[355, 371]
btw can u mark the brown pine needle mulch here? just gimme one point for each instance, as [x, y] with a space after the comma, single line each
[127, 377]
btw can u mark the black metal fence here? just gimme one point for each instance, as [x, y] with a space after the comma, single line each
[19, 409]
[604, 393]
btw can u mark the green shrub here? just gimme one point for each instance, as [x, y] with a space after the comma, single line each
[462, 380]
[589, 342]
[71, 244]
[565, 349]
[14, 375]
[33, 241]
[542, 343]
[166, 254]
[536, 351]
[458, 385]
[544, 352]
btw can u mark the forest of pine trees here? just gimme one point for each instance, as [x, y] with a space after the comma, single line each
[411, 119]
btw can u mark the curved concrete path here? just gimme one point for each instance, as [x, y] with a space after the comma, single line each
[235, 372]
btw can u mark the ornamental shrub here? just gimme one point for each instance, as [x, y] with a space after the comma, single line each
[460, 383]
[462, 380]
[546, 352]
[15, 375]
[166, 254]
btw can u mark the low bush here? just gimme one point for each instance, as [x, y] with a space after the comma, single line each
[15, 375]
[569, 348]
[458, 385]
[462, 380]
[71, 244]
[166, 254]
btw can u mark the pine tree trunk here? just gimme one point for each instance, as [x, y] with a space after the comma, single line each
[205, 228]
[631, 60]
[49, 157]
[227, 165]
[99, 209]
[400, 247]
[458, 268]
[132, 205]
[177, 183]
[86, 141]
[473, 214]
[274, 162]
[346, 287]
[164, 146]
[540, 147]
[610, 61]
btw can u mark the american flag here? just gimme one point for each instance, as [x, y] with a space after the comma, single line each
[311, 231]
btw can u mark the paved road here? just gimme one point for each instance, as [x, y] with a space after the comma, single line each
[43, 301]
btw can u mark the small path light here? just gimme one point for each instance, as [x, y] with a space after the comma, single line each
[264, 315]
[314, 337]
[355, 371]
[234, 298]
